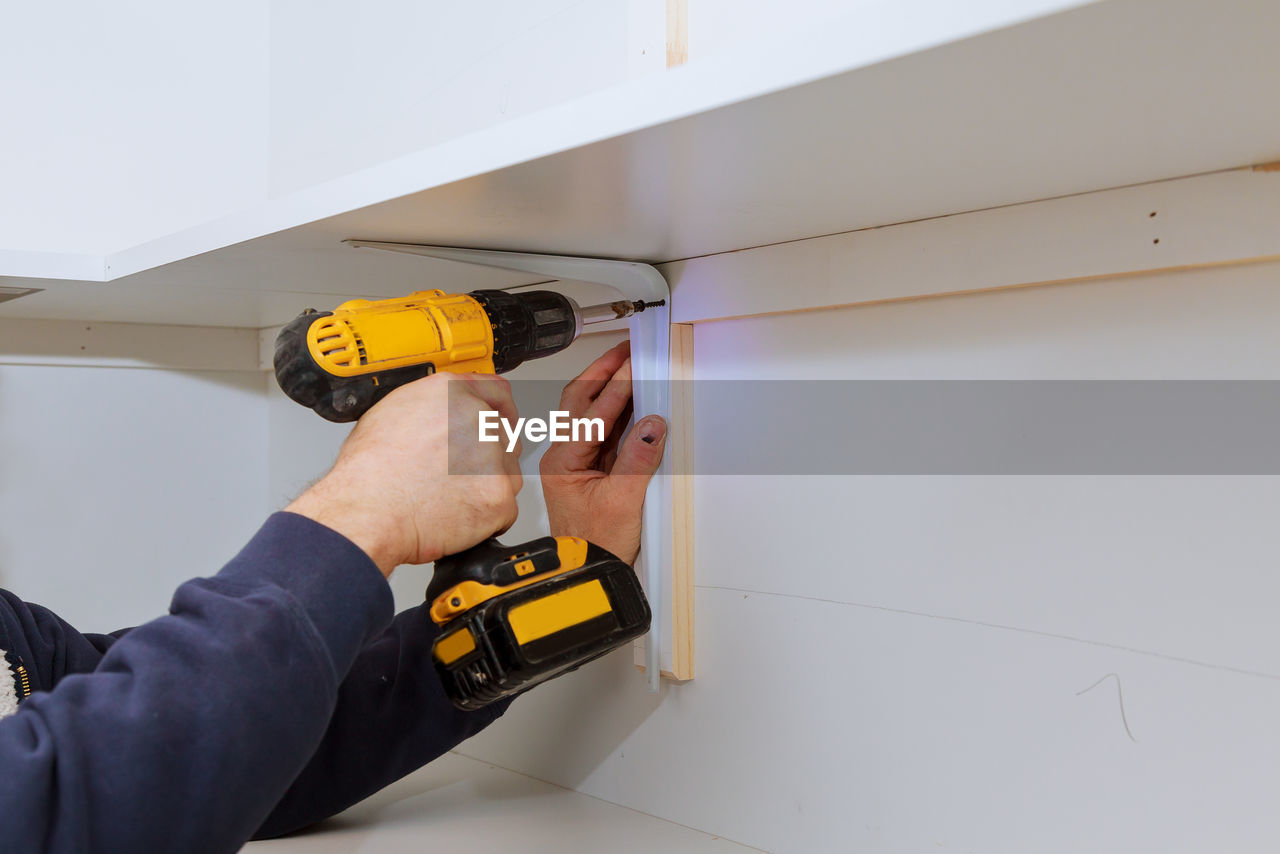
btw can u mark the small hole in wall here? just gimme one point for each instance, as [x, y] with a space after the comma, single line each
[1157, 240]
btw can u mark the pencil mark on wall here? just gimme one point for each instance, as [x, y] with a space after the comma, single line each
[1120, 694]
[1226, 668]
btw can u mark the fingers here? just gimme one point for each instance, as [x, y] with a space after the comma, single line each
[498, 397]
[609, 452]
[639, 456]
[506, 514]
[495, 393]
[581, 390]
[495, 504]
[602, 391]
[611, 403]
[613, 397]
[493, 390]
[511, 463]
[475, 393]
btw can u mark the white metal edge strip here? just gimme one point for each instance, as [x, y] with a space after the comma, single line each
[1221, 218]
[651, 368]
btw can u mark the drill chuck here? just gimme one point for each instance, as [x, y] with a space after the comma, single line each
[528, 325]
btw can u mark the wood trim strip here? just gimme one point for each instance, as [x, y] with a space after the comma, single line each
[1216, 220]
[1102, 277]
[680, 447]
[677, 32]
[141, 346]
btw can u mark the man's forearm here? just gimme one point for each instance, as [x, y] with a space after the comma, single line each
[193, 726]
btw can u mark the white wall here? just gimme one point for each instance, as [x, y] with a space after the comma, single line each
[118, 484]
[352, 87]
[129, 120]
[894, 663]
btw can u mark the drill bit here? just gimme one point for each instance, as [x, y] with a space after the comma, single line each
[617, 310]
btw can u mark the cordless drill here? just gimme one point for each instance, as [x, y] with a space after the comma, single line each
[510, 616]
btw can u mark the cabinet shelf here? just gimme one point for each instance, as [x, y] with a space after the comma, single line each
[480, 807]
[893, 112]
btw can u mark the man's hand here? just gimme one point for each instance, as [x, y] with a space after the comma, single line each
[595, 490]
[398, 493]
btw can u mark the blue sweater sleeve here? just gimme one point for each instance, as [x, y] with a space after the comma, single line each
[392, 718]
[190, 728]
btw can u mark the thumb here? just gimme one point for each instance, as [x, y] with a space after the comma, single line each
[641, 452]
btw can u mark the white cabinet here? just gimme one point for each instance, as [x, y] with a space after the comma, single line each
[880, 113]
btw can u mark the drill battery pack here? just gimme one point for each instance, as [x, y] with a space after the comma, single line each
[514, 616]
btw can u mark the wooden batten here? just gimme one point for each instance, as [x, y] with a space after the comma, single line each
[677, 32]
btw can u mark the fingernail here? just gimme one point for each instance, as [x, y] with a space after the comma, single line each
[652, 429]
